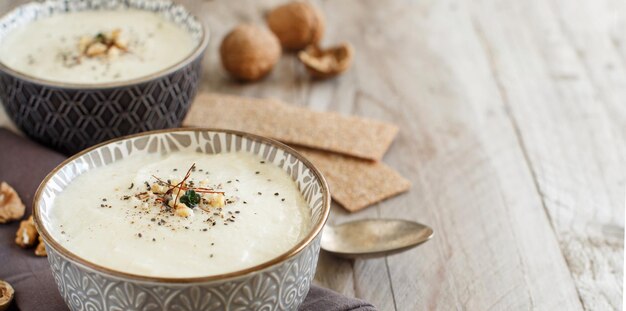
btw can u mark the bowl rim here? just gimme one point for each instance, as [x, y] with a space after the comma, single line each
[293, 251]
[197, 51]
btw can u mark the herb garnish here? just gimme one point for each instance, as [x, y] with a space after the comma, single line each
[190, 198]
[100, 37]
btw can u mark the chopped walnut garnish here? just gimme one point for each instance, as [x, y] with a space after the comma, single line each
[41, 248]
[158, 188]
[216, 199]
[110, 44]
[114, 52]
[96, 49]
[11, 206]
[183, 211]
[26, 235]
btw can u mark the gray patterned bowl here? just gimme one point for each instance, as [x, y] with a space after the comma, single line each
[70, 117]
[279, 284]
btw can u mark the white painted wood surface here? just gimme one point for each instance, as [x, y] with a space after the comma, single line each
[513, 132]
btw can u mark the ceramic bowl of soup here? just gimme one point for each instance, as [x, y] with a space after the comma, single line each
[74, 73]
[123, 231]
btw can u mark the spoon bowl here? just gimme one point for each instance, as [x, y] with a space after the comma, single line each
[372, 238]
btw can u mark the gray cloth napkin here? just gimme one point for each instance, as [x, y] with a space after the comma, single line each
[23, 164]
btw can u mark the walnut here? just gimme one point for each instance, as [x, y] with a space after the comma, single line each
[216, 199]
[158, 188]
[96, 49]
[249, 52]
[11, 206]
[110, 44]
[296, 24]
[183, 211]
[327, 63]
[113, 52]
[26, 235]
[6, 295]
[41, 248]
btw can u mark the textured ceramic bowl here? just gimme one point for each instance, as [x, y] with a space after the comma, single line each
[70, 117]
[278, 284]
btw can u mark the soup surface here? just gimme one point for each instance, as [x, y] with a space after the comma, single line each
[62, 47]
[123, 216]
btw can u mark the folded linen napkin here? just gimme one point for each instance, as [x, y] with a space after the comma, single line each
[23, 164]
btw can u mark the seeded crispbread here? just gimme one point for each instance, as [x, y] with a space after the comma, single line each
[356, 183]
[354, 136]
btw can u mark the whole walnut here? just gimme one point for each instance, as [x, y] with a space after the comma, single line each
[249, 52]
[296, 24]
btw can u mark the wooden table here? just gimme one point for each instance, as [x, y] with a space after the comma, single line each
[513, 132]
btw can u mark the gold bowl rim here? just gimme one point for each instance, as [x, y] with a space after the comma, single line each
[295, 250]
[195, 53]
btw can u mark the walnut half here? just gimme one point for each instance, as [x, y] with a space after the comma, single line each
[26, 235]
[11, 206]
[41, 248]
[327, 63]
[6, 295]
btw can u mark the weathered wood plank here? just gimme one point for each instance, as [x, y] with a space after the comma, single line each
[427, 72]
[571, 127]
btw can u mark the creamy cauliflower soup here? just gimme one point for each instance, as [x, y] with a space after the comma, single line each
[96, 46]
[180, 215]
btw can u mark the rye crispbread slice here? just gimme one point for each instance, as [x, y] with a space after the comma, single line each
[354, 136]
[356, 183]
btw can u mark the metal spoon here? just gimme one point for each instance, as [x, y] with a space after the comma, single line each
[371, 238]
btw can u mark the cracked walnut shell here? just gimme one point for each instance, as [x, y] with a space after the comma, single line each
[11, 206]
[296, 24]
[26, 235]
[327, 63]
[249, 52]
[6, 295]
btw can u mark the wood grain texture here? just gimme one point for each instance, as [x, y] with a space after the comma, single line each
[512, 130]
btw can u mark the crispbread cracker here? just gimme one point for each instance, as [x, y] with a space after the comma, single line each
[354, 136]
[355, 183]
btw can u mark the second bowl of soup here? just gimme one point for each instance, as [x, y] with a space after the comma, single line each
[76, 73]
